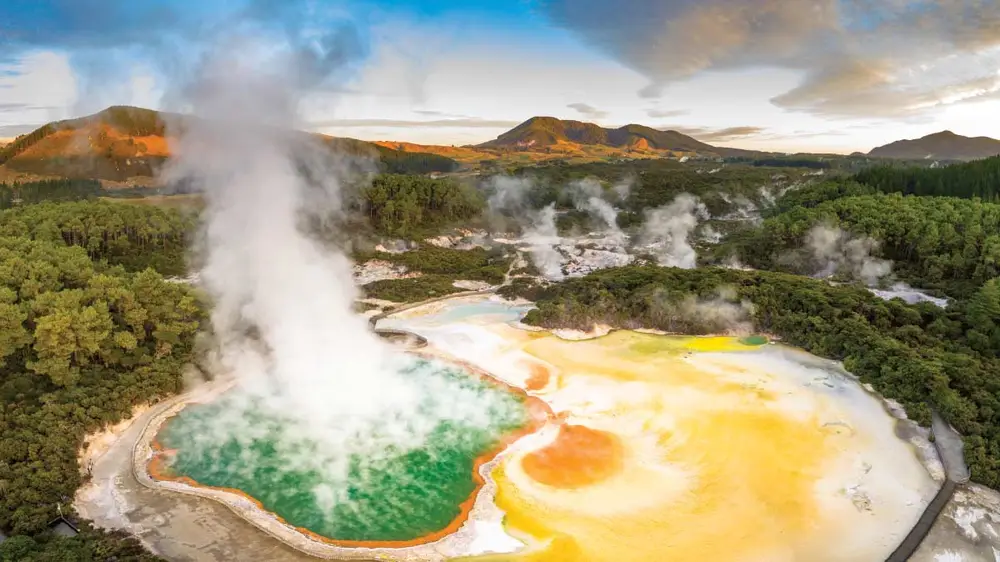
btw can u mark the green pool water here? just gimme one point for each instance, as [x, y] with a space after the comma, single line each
[364, 492]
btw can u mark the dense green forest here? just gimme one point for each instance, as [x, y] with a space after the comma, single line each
[979, 178]
[134, 236]
[798, 161]
[81, 344]
[915, 354]
[943, 243]
[92, 545]
[402, 162]
[408, 206]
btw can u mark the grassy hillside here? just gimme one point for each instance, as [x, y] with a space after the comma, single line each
[121, 143]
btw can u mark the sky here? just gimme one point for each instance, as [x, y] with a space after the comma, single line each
[782, 75]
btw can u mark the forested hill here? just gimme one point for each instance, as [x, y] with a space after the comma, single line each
[121, 143]
[945, 243]
[979, 178]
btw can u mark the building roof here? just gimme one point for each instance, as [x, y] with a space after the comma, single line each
[63, 527]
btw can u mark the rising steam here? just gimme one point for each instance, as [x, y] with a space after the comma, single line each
[538, 226]
[282, 311]
[544, 238]
[666, 231]
[588, 197]
[721, 313]
[835, 251]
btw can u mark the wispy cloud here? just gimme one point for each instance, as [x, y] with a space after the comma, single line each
[710, 135]
[469, 123]
[665, 113]
[14, 107]
[588, 111]
[107, 40]
[858, 57]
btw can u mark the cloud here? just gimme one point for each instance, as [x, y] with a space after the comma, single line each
[14, 107]
[664, 113]
[858, 58]
[730, 133]
[442, 114]
[709, 135]
[588, 110]
[472, 123]
[108, 40]
[35, 88]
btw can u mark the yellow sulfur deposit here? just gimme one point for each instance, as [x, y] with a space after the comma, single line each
[688, 449]
[681, 449]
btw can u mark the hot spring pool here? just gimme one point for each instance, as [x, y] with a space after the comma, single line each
[358, 496]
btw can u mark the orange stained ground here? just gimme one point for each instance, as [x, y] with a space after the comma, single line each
[539, 378]
[579, 456]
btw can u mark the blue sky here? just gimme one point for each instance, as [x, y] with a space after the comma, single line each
[768, 74]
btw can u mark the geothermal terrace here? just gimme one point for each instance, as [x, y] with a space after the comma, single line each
[629, 442]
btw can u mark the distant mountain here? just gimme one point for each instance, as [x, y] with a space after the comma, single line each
[545, 132]
[122, 144]
[945, 145]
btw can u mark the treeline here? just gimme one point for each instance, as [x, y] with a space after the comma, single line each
[133, 236]
[783, 162]
[979, 178]
[81, 344]
[406, 206]
[943, 243]
[91, 545]
[813, 194]
[15, 194]
[22, 142]
[401, 162]
[919, 355]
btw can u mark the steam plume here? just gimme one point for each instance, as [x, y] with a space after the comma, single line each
[538, 226]
[723, 312]
[835, 251]
[623, 188]
[587, 197]
[283, 301]
[666, 230]
[544, 237]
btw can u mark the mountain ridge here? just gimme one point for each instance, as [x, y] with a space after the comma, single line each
[943, 145]
[542, 132]
[129, 144]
